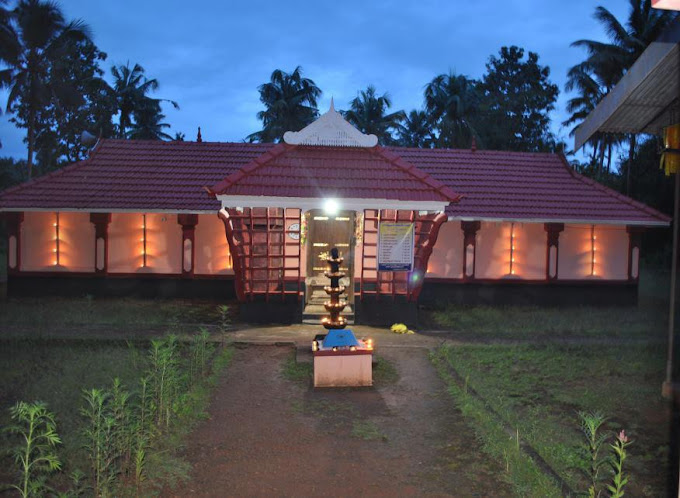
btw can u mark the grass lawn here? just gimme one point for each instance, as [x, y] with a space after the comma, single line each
[553, 367]
[102, 316]
[647, 321]
[538, 390]
[56, 372]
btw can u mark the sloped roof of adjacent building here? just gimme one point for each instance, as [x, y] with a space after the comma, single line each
[502, 185]
[128, 175]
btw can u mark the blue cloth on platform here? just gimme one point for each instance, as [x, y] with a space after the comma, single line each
[338, 338]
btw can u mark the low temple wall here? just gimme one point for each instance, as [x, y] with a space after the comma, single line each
[212, 250]
[145, 255]
[494, 250]
[40, 232]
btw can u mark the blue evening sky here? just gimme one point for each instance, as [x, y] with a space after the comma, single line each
[210, 56]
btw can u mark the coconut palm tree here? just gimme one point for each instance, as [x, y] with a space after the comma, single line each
[451, 101]
[609, 61]
[290, 104]
[148, 123]
[131, 89]
[41, 33]
[415, 130]
[590, 90]
[9, 43]
[367, 112]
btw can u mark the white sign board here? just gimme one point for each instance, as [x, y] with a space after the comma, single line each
[395, 246]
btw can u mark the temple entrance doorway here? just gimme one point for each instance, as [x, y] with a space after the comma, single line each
[325, 231]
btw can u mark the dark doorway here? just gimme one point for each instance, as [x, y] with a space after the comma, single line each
[325, 232]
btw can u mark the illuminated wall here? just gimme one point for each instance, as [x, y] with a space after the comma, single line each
[492, 257]
[530, 250]
[150, 243]
[211, 247]
[593, 252]
[446, 260]
[613, 243]
[51, 242]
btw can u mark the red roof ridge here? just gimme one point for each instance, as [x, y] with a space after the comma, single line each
[477, 151]
[248, 168]
[51, 174]
[612, 192]
[419, 174]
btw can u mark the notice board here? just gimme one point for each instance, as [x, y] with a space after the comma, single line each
[395, 246]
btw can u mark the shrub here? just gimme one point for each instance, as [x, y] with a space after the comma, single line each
[591, 422]
[36, 452]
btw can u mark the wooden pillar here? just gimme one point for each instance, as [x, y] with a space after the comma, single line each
[13, 221]
[188, 222]
[470, 229]
[634, 243]
[552, 251]
[101, 241]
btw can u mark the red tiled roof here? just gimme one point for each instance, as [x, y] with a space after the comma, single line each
[154, 175]
[520, 185]
[341, 172]
[137, 175]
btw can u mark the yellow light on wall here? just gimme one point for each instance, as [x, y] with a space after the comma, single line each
[56, 248]
[512, 248]
[593, 250]
[144, 241]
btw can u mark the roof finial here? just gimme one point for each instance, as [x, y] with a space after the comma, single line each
[473, 146]
[199, 138]
[332, 105]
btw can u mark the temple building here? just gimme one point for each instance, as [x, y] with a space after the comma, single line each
[256, 222]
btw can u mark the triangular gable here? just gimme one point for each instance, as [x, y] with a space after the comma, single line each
[340, 172]
[330, 129]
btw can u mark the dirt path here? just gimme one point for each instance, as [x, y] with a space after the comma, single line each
[271, 436]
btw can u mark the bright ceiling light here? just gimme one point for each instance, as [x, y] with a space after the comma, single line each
[331, 207]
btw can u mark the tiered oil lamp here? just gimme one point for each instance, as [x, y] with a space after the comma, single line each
[340, 360]
[335, 305]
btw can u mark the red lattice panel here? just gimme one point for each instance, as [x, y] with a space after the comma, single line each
[265, 247]
[397, 283]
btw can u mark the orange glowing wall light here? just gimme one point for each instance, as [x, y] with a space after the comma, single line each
[512, 248]
[56, 249]
[143, 240]
[593, 251]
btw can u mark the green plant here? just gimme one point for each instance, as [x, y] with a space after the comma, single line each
[78, 485]
[400, 328]
[164, 377]
[140, 466]
[591, 422]
[367, 430]
[36, 453]
[99, 435]
[122, 428]
[619, 479]
[298, 372]
[384, 372]
[224, 312]
[200, 353]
